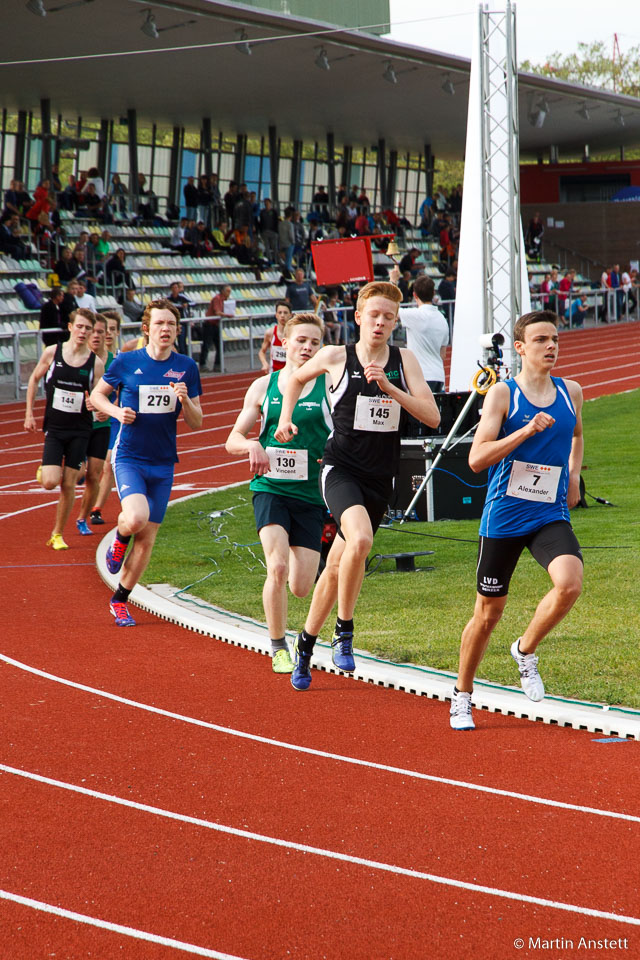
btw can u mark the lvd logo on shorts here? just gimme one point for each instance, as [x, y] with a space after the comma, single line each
[491, 584]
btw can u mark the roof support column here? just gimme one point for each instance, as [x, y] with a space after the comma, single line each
[429, 165]
[104, 152]
[274, 164]
[391, 178]
[21, 136]
[132, 130]
[241, 155]
[331, 169]
[347, 161]
[45, 117]
[174, 166]
[382, 172]
[296, 169]
[205, 136]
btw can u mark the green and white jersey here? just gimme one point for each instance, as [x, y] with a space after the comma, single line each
[294, 466]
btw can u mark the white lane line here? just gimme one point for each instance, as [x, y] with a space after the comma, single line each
[322, 852]
[116, 927]
[38, 506]
[230, 731]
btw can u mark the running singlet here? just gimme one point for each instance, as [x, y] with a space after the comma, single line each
[528, 489]
[99, 424]
[145, 386]
[366, 422]
[277, 353]
[294, 465]
[65, 389]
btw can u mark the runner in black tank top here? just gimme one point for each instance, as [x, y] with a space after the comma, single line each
[369, 452]
[70, 370]
[373, 384]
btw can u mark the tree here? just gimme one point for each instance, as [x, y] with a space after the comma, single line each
[594, 65]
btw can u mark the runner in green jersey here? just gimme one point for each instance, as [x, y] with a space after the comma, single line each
[287, 502]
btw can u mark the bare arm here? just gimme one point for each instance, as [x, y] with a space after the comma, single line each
[262, 354]
[38, 373]
[327, 360]
[577, 445]
[486, 449]
[100, 401]
[419, 401]
[191, 408]
[237, 441]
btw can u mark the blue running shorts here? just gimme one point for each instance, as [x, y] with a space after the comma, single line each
[152, 480]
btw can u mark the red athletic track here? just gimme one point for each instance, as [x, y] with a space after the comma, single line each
[237, 894]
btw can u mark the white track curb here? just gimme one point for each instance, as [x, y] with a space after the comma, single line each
[161, 600]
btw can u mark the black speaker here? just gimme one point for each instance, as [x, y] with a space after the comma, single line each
[454, 492]
[450, 406]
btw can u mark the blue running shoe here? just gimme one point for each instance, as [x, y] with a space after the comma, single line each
[342, 652]
[121, 614]
[115, 555]
[301, 676]
[83, 528]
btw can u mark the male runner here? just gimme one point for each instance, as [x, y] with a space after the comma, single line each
[99, 440]
[69, 370]
[273, 340]
[530, 438]
[372, 383]
[155, 383]
[112, 341]
[287, 501]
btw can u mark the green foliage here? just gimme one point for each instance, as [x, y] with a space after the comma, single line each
[593, 66]
[418, 617]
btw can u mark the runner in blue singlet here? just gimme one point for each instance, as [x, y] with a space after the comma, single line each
[530, 438]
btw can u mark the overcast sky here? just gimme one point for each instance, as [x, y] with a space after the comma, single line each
[542, 26]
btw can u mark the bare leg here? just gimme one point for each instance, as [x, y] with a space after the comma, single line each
[92, 486]
[566, 575]
[326, 590]
[106, 484]
[66, 498]
[275, 544]
[139, 554]
[475, 638]
[358, 533]
[134, 515]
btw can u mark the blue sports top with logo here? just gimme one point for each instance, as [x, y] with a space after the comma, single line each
[365, 439]
[528, 488]
[145, 386]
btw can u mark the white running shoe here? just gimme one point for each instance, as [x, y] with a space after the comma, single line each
[460, 714]
[530, 679]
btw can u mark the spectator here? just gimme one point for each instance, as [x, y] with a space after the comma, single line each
[103, 247]
[147, 200]
[211, 333]
[564, 289]
[84, 299]
[11, 241]
[216, 200]
[427, 331]
[204, 200]
[51, 324]
[116, 271]
[11, 201]
[190, 193]
[69, 303]
[575, 316]
[118, 195]
[408, 262]
[230, 198]
[69, 196]
[66, 267]
[269, 231]
[321, 203]
[447, 292]
[628, 284]
[332, 318]
[219, 236]
[299, 293]
[363, 225]
[405, 284]
[533, 239]
[243, 214]
[94, 178]
[286, 241]
[183, 305]
[131, 308]
[300, 235]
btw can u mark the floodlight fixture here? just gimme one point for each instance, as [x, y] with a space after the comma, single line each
[38, 8]
[389, 74]
[448, 86]
[619, 119]
[322, 60]
[149, 27]
[584, 112]
[243, 46]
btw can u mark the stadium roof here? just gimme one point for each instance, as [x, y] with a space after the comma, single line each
[93, 60]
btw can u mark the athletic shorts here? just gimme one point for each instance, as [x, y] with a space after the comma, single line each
[302, 520]
[342, 490]
[98, 443]
[64, 445]
[152, 480]
[498, 556]
[114, 430]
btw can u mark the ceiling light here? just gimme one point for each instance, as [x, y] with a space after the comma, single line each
[619, 119]
[389, 73]
[537, 117]
[584, 112]
[37, 7]
[243, 45]
[543, 104]
[322, 60]
[149, 26]
[447, 86]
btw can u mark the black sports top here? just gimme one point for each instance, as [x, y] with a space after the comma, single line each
[65, 388]
[367, 423]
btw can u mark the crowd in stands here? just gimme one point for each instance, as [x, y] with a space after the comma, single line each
[573, 299]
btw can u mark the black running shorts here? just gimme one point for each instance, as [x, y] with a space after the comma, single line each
[342, 490]
[64, 445]
[302, 520]
[498, 556]
[99, 443]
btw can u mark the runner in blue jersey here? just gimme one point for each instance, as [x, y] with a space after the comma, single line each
[156, 384]
[530, 438]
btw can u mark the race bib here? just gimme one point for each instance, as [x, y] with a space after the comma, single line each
[156, 398]
[534, 481]
[378, 414]
[278, 354]
[69, 401]
[287, 464]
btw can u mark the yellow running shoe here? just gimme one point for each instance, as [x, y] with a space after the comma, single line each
[39, 474]
[57, 542]
[281, 662]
